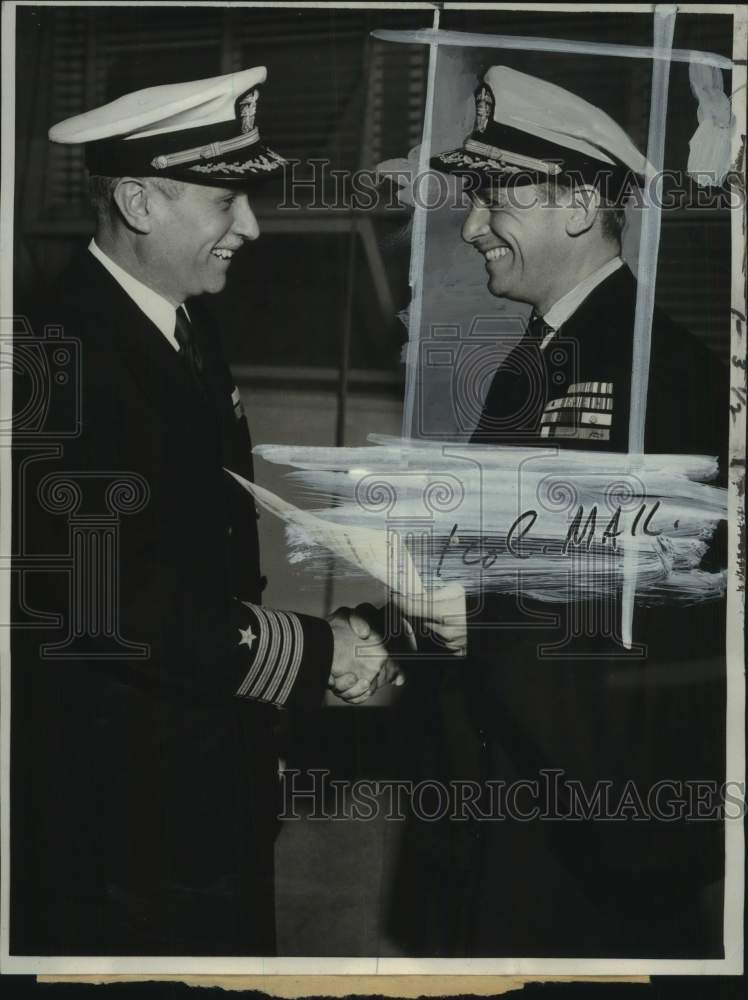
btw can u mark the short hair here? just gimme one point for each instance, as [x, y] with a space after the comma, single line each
[613, 221]
[101, 193]
[612, 218]
[101, 190]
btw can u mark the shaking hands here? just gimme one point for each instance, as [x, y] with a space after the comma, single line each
[361, 663]
[364, 658]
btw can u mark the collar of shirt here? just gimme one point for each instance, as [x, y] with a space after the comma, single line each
[158, 309]
[568, 304]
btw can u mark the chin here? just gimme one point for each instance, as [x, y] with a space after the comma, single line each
[216, 284]
[496, 289]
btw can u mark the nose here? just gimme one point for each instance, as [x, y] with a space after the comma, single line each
[245, 222]
[476, 223]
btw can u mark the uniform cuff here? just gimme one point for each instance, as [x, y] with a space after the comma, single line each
[314, 673]
[292, 658]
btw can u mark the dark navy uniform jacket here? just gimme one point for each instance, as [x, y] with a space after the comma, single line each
[144, 792]
[533, 700]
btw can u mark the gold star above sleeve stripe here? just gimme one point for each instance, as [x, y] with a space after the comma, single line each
[247, 637]
[277, 655]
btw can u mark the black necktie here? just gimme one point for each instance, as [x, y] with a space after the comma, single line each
[519, 391]
[184, 334]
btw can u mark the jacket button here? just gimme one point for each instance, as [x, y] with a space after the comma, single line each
[263, 583]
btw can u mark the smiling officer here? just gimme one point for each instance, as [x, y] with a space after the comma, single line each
[550, 695]
[146, 795]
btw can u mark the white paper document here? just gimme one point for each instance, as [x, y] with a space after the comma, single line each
[376, 552]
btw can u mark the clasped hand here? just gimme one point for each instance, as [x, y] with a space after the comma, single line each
[361, 660]
[361, 663]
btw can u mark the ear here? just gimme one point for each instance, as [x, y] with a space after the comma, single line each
[132, 200]
[583, 210]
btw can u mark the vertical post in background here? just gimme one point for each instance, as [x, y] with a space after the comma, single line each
[7, 129]
[736, 527]
[649, 244]
[418, 244]
[344, 356]
[350, 284]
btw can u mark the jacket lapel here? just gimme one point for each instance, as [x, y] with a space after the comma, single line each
[154, 366]
[600, 335]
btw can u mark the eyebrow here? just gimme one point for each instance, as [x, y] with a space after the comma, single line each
[487, 199]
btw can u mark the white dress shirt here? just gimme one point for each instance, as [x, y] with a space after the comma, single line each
[158, 309]
[568, 304]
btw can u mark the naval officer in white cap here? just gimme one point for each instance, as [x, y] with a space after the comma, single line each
[548, 690]
[149, 794]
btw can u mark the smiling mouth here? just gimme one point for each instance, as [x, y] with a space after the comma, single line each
[496, 253]
[223, 253]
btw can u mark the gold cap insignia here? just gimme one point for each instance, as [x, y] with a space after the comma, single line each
[248, 110]
[484, 104]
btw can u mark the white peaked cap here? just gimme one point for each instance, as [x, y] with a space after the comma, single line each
[156, 110]
[202, 131]
[550, 112]
[528, 130]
